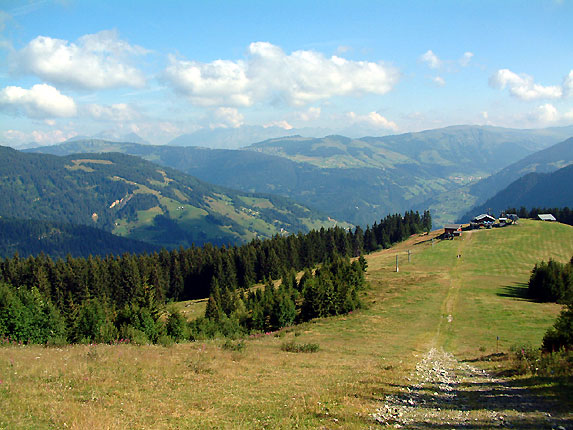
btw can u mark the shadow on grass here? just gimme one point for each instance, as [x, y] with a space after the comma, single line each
[496, 356]
[482, 401]
[518, 290]
[532, 403]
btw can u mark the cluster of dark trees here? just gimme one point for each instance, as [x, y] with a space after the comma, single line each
[121, 295]
[553, 282]
[563, 215]
[331, 290]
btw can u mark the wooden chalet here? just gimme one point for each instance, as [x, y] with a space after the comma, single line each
[451, 230]
[483, 220]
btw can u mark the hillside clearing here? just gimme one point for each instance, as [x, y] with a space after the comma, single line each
[436, 302]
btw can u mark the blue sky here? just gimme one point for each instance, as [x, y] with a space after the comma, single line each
[162, 69]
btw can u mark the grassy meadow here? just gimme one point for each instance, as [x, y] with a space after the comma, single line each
[437, 299]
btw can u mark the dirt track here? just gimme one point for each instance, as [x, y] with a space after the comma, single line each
[444, 393]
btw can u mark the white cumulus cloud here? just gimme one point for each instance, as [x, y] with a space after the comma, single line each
[311, 114]
[116, 112]
[374, 119]
[96, 61]
[281, 124]
[547, 113]
[431, 59]
[269, 75]
[466, 58]
[40, 101]
[227, 117]
[17, 137]
[523, 86]
[439, 81]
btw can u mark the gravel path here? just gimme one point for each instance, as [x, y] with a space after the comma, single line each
[443, 393]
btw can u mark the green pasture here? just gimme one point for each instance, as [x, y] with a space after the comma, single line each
[437, 299]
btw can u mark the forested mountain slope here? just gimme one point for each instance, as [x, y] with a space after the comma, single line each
[56, 239]
[532, 190]
[132, 197]
[544, 161]
[356, 180]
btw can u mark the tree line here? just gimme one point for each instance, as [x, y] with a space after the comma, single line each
[107, 298]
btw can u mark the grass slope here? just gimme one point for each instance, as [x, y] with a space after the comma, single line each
[363, 356]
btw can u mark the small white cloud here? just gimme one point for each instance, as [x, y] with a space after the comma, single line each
[40, 101]
[4, 18]
[269, 75]
[311, 114]
[568, 85]
[17, 137]
[547, 113]
[227, 117]
[281, 124]
[343, 49]
[439, 81]
[117, 112]
[431, 59]
[466, 58]
[522, 86]
[374, 119]
[485, 115]
[96, 61]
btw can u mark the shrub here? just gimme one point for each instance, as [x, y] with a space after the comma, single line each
[560, 336]
[135, 336]
[26, 316]
[93, 324]
[165, 341]
[176, 326]
[546, 364]
[229, 345]
[292, 346]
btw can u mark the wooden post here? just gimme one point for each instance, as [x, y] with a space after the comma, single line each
[397, 268]
[409, 256]
[432, 242]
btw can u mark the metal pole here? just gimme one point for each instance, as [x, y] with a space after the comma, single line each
[408, 256]
[397, 268]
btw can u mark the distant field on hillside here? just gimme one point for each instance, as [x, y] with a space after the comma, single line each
[462, 304]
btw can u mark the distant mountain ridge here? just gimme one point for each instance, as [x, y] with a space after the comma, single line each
[532, 190]
[544, 161]
[356, 180]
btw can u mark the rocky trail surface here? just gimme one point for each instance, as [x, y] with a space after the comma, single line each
[444, 393]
